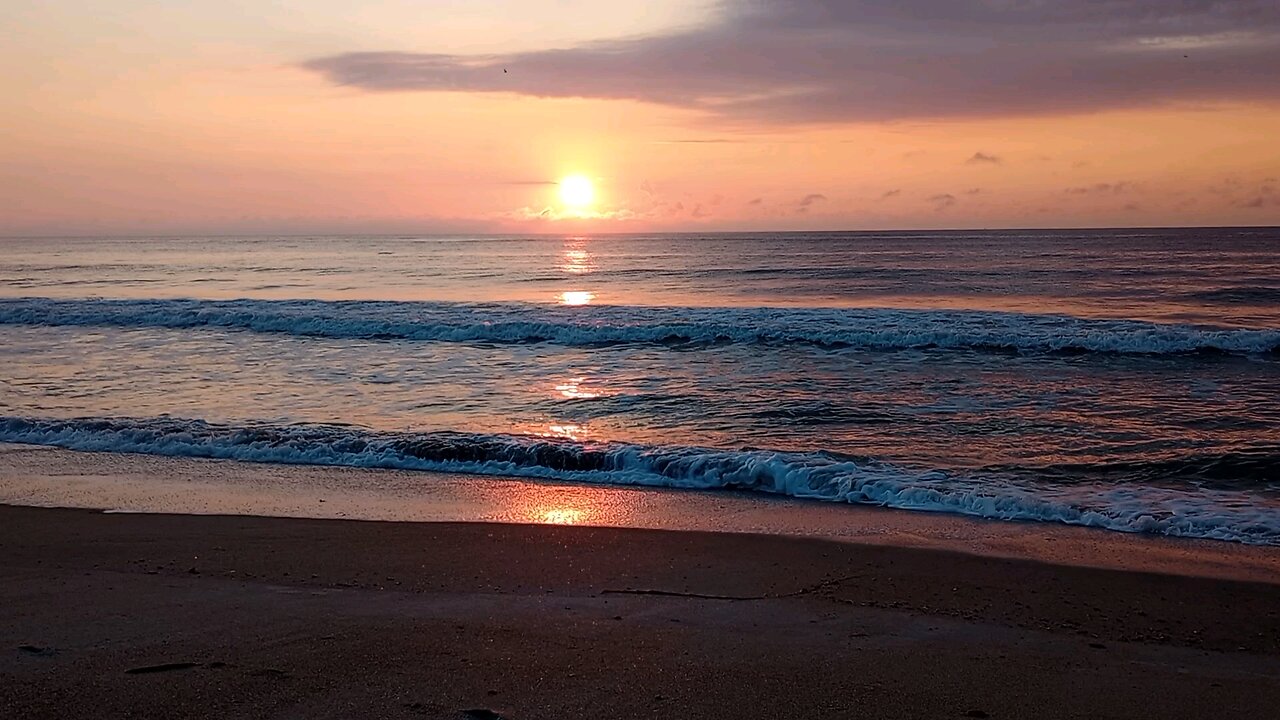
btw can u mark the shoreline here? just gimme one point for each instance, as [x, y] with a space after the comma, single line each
[209, 616]
[42, 476]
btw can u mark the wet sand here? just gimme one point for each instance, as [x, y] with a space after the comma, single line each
[51, 477]
[130, 615]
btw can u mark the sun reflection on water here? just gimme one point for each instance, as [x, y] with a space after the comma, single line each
[576, 297]
[572, 389]
[545, 504]
[568, 431]
[576, 260]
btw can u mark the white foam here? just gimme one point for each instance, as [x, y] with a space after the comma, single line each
[874, 329]
[1184, 512]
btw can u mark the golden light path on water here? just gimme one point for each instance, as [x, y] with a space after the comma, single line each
[576, 297]
[572, 389]
[577, 261]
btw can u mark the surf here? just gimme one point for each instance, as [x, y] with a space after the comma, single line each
[1188, 511]
[603, 325]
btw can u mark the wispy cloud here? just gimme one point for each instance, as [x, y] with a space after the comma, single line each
[981, 158]
[697, 141]
[808, 201]
[852, 60]
[1259, 201]
[1103, 188]
[942, 201]
[1266, 195]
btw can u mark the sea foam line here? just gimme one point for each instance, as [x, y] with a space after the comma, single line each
[1191, 512]
[871, 328]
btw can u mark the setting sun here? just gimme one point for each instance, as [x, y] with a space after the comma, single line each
[576, 191]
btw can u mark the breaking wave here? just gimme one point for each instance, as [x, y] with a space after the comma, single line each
[872, 329]
[1185, 511]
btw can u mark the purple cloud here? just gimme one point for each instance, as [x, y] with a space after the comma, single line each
[1100, 188]
[943, 201]
[981, 158]
[850, 60]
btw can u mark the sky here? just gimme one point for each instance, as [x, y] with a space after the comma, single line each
[317, 116]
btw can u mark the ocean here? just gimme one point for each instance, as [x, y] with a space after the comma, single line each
[1121, 379]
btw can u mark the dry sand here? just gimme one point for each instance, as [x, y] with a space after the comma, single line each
[111, 615]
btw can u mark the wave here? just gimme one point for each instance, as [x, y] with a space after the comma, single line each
[1183, 512]
[871, 329]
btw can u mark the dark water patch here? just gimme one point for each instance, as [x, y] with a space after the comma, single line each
[823, 413]
[1243, 295]
[1253, 469]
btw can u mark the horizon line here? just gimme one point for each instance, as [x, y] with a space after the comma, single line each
[147, 236]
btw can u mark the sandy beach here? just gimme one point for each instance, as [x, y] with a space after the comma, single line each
[139, 615]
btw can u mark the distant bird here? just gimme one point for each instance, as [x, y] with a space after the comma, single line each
[504, 70]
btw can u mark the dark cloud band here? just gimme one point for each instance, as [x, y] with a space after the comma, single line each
[850, 60]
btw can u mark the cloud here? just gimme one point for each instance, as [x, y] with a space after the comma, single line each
[866, 60]
[981, 158]
[1260, 201]
[808, 201]
[1103, 188]
[696, 141]
[1247, 194]
[551, 214]
[942, 201]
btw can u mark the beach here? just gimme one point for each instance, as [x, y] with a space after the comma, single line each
[150, 615]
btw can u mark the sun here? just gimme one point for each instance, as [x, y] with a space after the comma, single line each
[576, 191]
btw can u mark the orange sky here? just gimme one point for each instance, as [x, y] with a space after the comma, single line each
[223, 117]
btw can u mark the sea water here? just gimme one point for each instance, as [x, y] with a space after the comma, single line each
[1121, 379]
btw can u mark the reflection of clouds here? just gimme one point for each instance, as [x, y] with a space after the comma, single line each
[576, 297]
